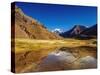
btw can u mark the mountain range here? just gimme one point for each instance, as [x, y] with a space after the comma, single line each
[81, 31]
[24, 26]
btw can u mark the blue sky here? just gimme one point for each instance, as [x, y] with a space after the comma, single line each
[62, 17]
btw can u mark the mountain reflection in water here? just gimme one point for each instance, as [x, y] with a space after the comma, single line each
[64, 60]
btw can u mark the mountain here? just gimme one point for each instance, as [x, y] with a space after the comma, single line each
[79, 31]
[75, 31]
[57, 31]
[91, 31]
[27, 27]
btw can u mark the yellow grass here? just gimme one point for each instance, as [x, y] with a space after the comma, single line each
[29, 51]
[35, 45]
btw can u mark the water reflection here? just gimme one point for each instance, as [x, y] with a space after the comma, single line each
[63, 60]
[88, 62]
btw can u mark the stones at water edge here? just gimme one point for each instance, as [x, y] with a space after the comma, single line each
[57, 61]
[88, 62]
[62, 60]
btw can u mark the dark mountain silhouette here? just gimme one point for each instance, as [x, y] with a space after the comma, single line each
[27, 27]
[91, 31]
[79, 31]
[76, 30]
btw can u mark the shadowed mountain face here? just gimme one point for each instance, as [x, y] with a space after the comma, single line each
[81, 32]
[76, 30]
[27, 27]
[92, 31]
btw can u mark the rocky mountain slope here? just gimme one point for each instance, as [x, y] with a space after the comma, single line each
[76, 30]
[81, 32]
[27, 27]
[91, 31]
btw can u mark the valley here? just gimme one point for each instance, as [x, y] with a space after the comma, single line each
[29, 53]
[39, 44]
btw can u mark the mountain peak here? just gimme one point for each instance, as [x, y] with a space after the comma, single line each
[57, 31]
[79, 26]
[81, 31]
[91, 31]
[76, 30]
